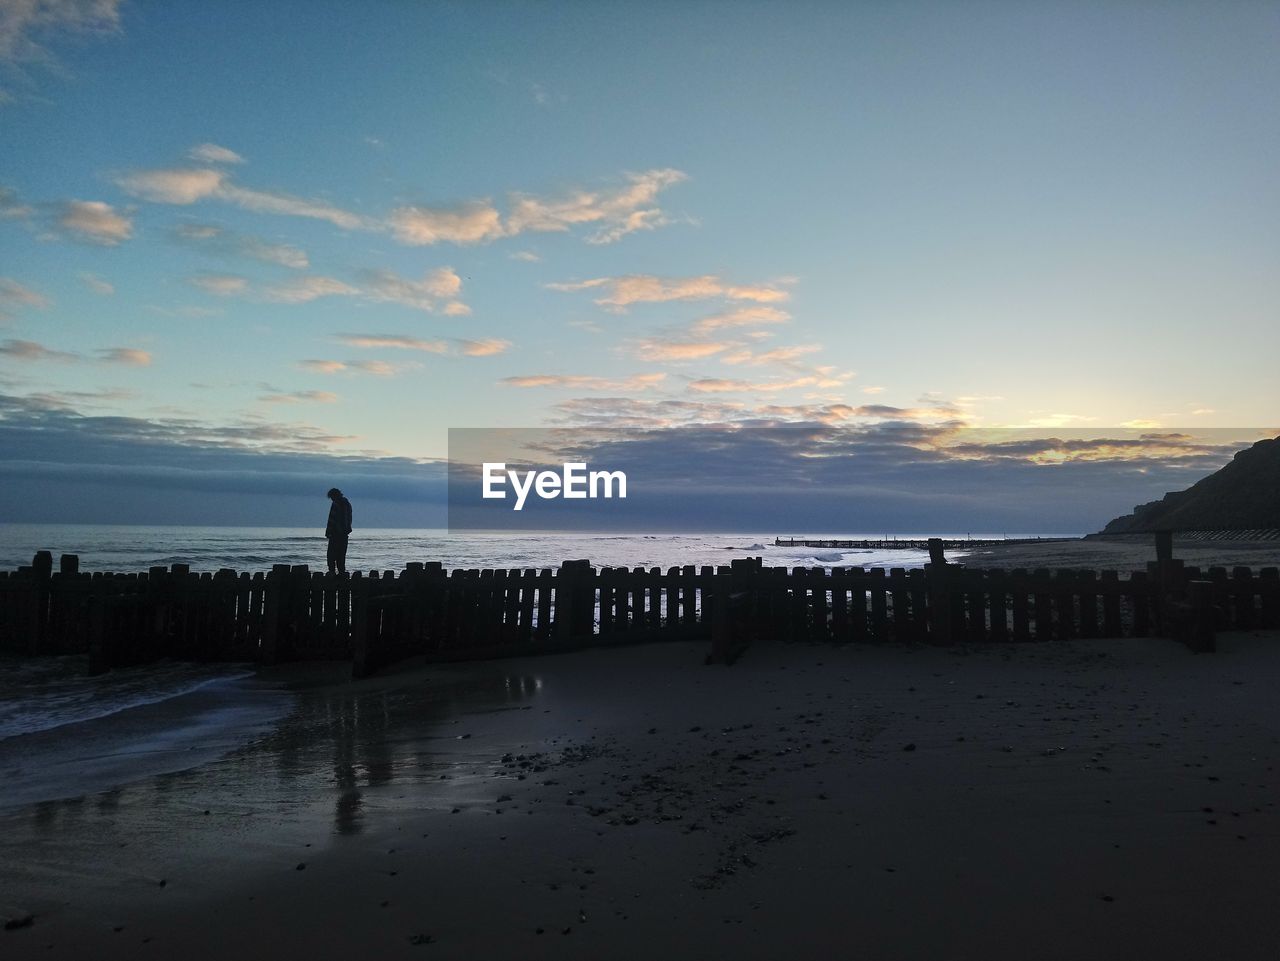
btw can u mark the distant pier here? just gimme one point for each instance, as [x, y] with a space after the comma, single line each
[920, 544]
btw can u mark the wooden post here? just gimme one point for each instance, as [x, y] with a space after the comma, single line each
[857, 604]
[1140, 594]
[936, 554]
[820, 631]
[721, 626]
[363, 630]
[997, 590]
[1087, 583]
[273, 649]
[99, 661]
[38, 625]
[1064, 595]
[1201, 629]
[839, 605]
[1242, 584]
[575, 600]
[1110, 585]
[879, 605]
[1164, 546]
[1041, 585]
[1269, 588]
[938, 579]
[1020, 591]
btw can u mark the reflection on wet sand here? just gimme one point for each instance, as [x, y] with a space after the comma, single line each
[341, 750]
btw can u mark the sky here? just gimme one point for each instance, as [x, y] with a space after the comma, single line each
[249, 245]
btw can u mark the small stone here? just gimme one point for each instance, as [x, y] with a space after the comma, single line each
[909, 747]
[301, 867]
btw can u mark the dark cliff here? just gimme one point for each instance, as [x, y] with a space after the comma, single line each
[1244, 495]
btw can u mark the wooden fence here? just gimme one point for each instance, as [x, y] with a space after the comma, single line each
[373, 619]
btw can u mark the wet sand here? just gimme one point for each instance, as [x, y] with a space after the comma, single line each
[1107, 799]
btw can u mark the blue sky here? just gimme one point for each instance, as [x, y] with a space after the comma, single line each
[336, 230]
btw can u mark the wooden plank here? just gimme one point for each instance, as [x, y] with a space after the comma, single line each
[858, 581]
[819, 582]
[839, 605]
[900, 606]
[546, 591]
[976, 607]
[879, 626]
[1242, 591]
[1041, 587]
[1020, 590]
[1140, 599]
[1109, 585]
[1269, 588]
[1086, 584]
[997, 591]
[688, 595]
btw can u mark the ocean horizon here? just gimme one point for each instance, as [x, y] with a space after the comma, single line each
[107, 547]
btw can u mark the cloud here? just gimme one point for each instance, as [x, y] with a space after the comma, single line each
[217, 240]
[220, 285]
[94, 222]
[22, 21]
[181, 186]
[11, 208]
[615, 211]
[636, 382]
[130, 356]
[659, 351]
[306, 289]
[185, 311]
[485, 347]
[618, 212]
[97, 284]
[262, 201]
[298, 397]
[527, 256]
[622, 292]
[32, 351]
[395, 342]
[778, 355]
[378, 368]
[426, 294]
[475, 222]
[211, 153]
[741, 317]
[1058, 420]
[874, 390]
[184, 186]
[14, 295]
[323, 366]
[712, 385]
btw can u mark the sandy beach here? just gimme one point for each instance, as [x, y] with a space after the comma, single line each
[1109, 799]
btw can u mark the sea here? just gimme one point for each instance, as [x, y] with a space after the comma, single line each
[66, 734]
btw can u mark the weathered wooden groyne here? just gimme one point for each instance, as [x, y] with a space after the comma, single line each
[373, 619]
[912, 544]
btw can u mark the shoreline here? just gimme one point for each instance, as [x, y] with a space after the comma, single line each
[807, 800]
[1126, 552]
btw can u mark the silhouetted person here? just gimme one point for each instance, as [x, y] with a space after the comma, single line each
[338, 530]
